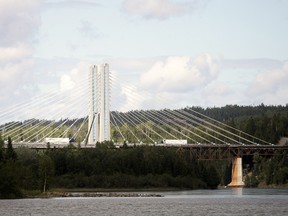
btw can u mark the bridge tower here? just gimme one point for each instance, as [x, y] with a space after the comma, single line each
[99, 104]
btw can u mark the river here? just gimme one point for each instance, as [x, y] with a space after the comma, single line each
[237, 201]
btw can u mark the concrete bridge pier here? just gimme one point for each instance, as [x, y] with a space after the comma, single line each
[237, 173]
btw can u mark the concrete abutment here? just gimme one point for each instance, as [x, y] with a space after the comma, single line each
[237, 173]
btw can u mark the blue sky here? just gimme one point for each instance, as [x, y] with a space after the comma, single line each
[192, 52]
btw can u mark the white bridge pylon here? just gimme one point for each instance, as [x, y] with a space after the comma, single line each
[99, 104]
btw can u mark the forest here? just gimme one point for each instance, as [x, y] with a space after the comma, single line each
[24, 169]
[266, 122]
[26, 172]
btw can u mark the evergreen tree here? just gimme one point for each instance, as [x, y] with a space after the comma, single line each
[10, 153]
[1, 149]
[9, 186]
[250, 126]
[213, 179]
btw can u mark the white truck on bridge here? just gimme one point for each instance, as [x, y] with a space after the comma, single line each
[174, 142]
[56, 140]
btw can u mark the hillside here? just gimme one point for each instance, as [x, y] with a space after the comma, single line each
[269, 123]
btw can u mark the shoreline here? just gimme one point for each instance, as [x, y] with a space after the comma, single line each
[118, 192]
[94, 194]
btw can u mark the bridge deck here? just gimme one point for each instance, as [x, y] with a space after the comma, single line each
[201, 151]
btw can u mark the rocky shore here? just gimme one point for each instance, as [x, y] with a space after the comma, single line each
[98, 194]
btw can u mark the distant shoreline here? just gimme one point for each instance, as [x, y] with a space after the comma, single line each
[116, 192]
[99, 192]
[95, 194]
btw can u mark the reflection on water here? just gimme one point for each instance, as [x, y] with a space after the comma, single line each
[238, 191]
[230, 201]
[229, 192]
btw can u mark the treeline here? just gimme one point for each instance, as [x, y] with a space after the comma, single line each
[266, 122]
[238, 112]
[139, 167]
[265, 172]
[23, 169]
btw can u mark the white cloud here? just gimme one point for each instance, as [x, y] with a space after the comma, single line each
[73, 94]
[270, 87]
[16, 53]
[257, 63]
[66, 83]
[181, 81]
[168, 83]
[161, 9]
[219, 93]
[126, 96]
[133, 98]
[78, 76]
[19, 21]
[270, 82]
[219, 89]
[13, 73]
[16, 83]
[65, 97]
[181, 74]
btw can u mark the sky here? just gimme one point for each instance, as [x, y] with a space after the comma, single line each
[186, 52]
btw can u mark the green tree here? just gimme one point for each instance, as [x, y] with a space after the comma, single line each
[10, 153]
[250, 126]
[257, 161]
[213, 179]
[251, 181]
[46, 171]
[1, 149]
[27, 168]
[9, 186]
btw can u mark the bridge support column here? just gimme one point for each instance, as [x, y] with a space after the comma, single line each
[236, 173]
[99, 104]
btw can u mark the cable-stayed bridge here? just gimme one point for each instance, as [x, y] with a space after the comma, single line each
[87, 111]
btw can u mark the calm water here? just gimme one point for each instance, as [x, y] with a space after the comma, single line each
[198, 202]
